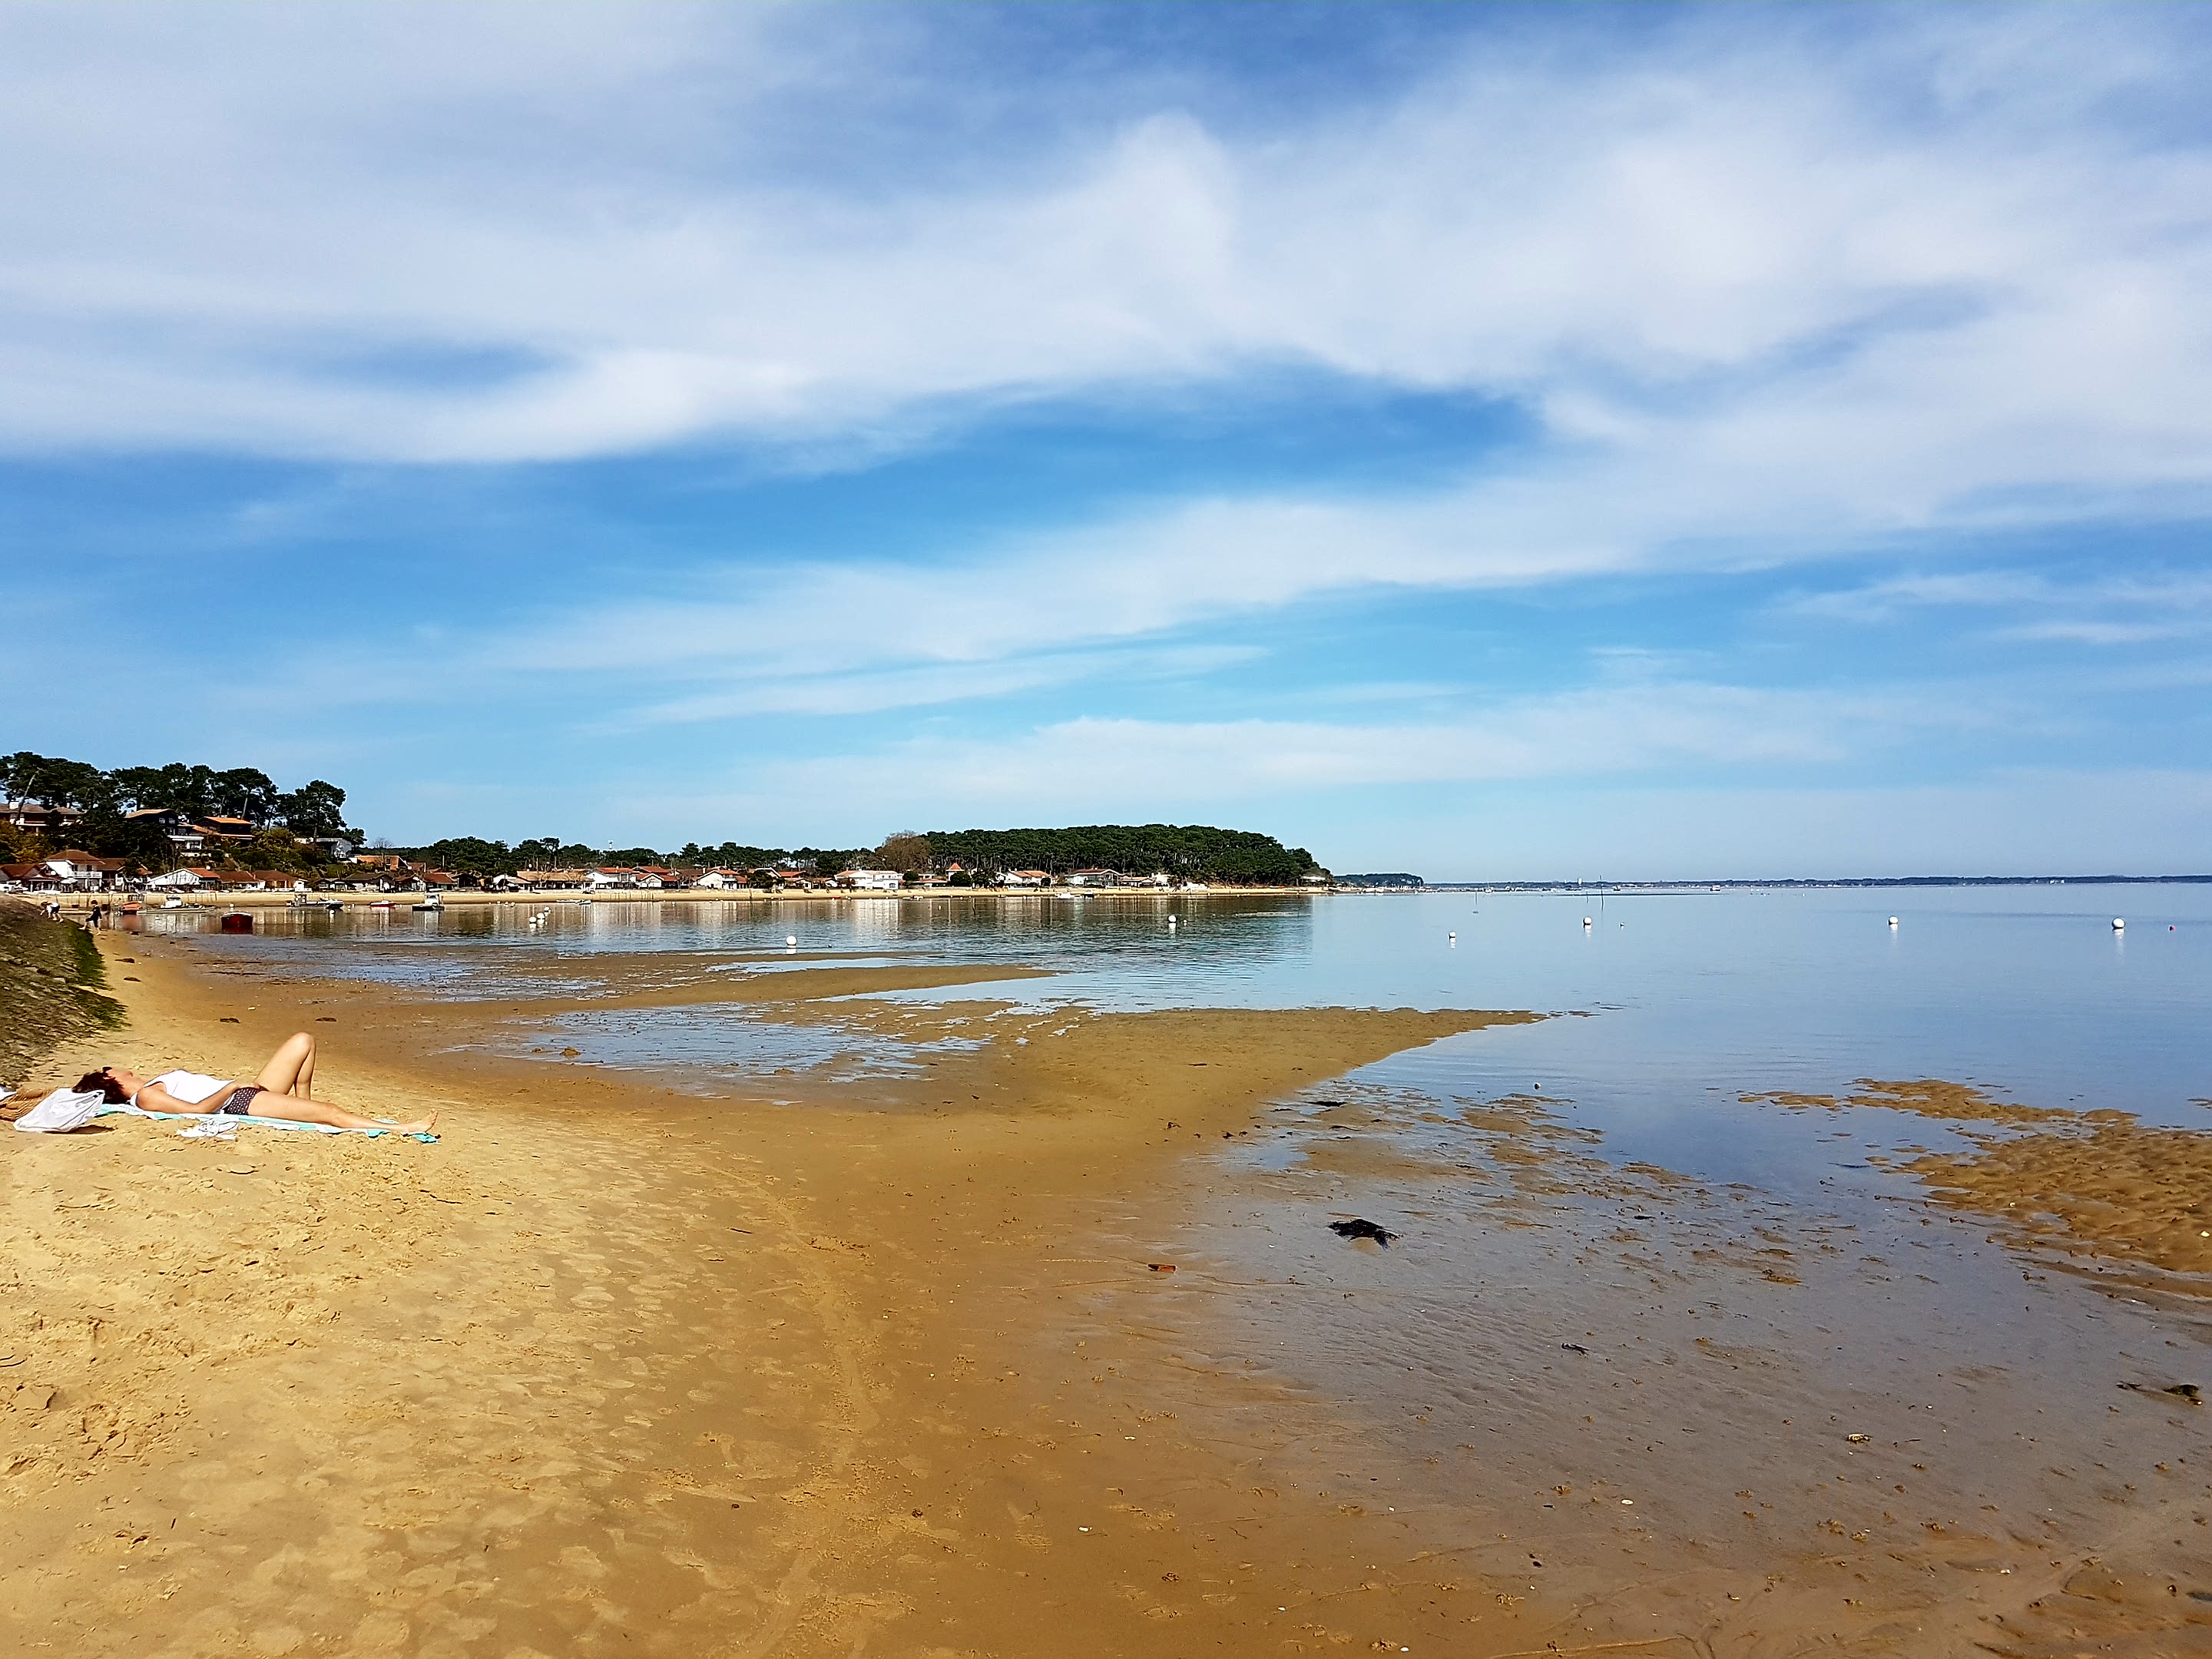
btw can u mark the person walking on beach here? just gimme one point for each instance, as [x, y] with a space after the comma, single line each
[281, 1090]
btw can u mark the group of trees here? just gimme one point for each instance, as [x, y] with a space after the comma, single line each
[282, 817]
[286, 819]
[472, 855]
[1188, 852]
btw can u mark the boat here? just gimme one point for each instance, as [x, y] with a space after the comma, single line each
[433, 902]
[333, 905]
[173, 905]
[381, 904]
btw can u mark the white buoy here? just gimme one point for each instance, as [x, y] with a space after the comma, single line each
[791, 939]
[1452, 938]
[1893, 921]
[2119, 924]
[1586, 921]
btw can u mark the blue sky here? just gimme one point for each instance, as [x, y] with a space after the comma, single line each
[1547, 442]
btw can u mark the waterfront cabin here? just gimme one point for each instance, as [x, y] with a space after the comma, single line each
[871, 881]
[81, 873]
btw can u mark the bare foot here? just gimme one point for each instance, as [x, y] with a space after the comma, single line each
[421, 1125]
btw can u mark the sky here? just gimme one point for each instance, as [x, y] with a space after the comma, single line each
[1560, 442]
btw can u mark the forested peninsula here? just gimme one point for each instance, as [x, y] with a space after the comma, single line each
[143, 815]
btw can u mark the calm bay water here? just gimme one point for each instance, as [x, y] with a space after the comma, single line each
[1694, 998]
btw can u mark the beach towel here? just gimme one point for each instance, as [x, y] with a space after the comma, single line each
[199, 1125]
[62, 1111]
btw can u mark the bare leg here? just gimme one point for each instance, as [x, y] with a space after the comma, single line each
[291, 1069]
[294, 1109]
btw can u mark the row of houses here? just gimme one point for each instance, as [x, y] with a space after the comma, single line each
[654, 877]
[67, 872]
[190, 835]
[73, 871]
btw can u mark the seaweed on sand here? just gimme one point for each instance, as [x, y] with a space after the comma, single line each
[49, 975]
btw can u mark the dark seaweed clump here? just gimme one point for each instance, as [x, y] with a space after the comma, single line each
[49, 973]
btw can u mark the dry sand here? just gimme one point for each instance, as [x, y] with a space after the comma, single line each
[616, 1368]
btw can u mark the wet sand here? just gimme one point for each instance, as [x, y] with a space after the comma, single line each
[1044, 1346]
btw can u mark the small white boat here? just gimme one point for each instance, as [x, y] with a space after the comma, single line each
[173, 905]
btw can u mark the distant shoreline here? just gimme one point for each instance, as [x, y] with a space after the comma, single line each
[282, 898]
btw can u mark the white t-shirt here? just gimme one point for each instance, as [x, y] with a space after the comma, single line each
[191, 1087]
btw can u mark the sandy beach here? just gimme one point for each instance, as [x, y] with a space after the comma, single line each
[985, 1362]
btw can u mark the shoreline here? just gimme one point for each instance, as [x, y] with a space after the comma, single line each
[616, 1368]
[285, 899]
[838, 1325]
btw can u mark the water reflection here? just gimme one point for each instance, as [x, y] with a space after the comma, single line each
[1699, 997]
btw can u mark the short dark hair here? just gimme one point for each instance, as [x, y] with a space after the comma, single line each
[106, 1085]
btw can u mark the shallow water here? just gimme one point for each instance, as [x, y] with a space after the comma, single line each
[1695, 998]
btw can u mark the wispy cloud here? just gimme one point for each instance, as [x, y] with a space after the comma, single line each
[1088, 763]
[2125, 608]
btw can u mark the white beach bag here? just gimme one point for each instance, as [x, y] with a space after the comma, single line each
[62, 1111]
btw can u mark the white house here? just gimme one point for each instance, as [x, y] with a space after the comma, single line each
[602, 878]
[1024, 878]
[82, 870]
[1094, 879]
[179, 879]
[871, 881]
[718, 879]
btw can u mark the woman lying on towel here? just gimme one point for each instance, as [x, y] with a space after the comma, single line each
[281, 1090]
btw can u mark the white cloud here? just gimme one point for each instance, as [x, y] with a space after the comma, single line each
[1772, 290]
[218, 224]
[2122, 609]
[1145, 767]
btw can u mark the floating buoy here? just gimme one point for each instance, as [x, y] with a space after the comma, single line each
[2119, 924]
[1586, 921]
[1893, 921]
[1451, 939]
[791, 939]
